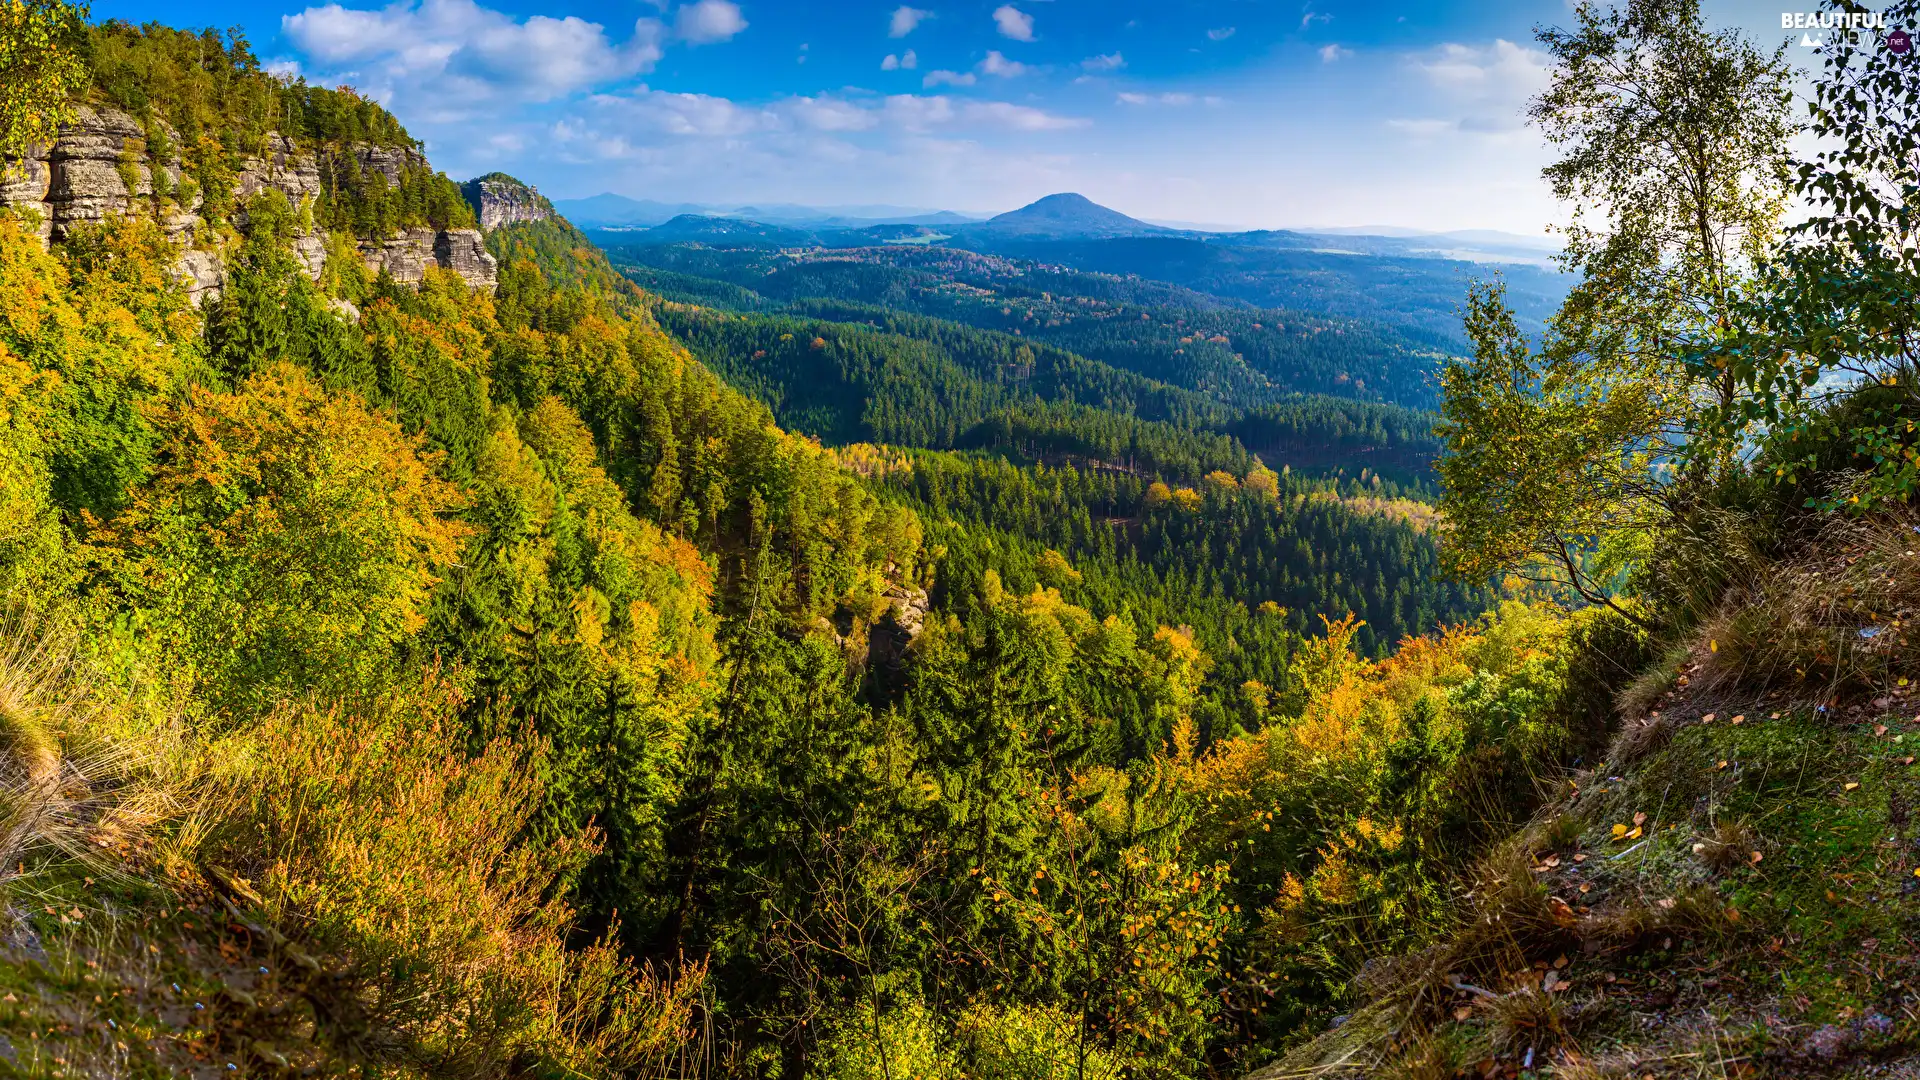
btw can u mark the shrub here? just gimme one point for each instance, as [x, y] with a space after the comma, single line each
[400, 852]
[289, 540]
[904, 1045]
[1030, 1043]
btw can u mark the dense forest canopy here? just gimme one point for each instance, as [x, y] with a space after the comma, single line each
[1242, 355]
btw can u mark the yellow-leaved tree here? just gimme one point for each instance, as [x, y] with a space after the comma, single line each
[40, 66]
[287, 541]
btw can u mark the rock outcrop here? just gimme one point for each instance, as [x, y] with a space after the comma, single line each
[406, 256]
[498, 199]
[464, 251]
[391, 162]
[99, 166]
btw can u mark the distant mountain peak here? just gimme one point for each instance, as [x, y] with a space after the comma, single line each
[1069, 213]
[1063, 202]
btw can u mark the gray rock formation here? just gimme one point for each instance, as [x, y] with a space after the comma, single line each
[501, 200]
[98, 166]
[282, 167]
[202, 272]
[900, 626]
[407, 255]
[84, 175]
[464, 252]
[26, 185]
[389, 161]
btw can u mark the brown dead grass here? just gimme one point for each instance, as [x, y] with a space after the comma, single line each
[1833, 620]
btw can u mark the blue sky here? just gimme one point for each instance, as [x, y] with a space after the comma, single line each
[1233, 112]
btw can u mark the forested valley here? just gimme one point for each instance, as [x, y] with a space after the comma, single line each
[899, 663]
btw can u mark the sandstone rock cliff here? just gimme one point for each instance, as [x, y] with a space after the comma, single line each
[98, 165]
[499, 200]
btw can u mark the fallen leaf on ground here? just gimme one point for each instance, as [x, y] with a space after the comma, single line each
[1561, 913]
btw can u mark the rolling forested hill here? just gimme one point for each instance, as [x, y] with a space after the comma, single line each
[1240, 355]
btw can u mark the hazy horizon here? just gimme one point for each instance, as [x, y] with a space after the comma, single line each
[872, 211]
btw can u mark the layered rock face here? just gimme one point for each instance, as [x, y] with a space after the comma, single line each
[499, 200]
[406, 255]
[98, 166]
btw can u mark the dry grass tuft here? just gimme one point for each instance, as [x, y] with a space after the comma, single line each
[77, 780]
[1637, 738]
[1727, 845]
[1425, 1059]
[1525, 1019]
[1558, 832]
[1640, 695]
[1835, 619]
[393, 846]
[1510, 920]
[1697, 912]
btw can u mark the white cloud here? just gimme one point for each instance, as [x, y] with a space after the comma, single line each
[1105, 62]
[948, 78]
[644, 111]
[1333, 53]
[1502, 68]
[1222, 33]
[709, 21]
[452, 56]
[1484, 88]
[912, 112]
[904, 19]
[890, 63]
[1013, 22]
[1173, 97]
[1018, 117]
[825, 113]
[1307, 20]
[998, 65]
